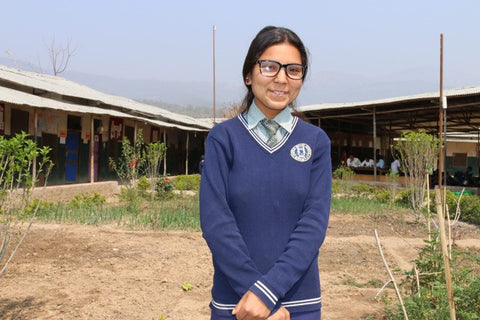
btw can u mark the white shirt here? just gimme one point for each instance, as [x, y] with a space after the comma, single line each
[353, 163]
[369, 163]
[395, 165]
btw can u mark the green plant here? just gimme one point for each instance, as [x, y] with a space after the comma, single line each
[21, 163]
[86, 200]
[469, 206]
[418, 152]
[392, 179]
[404, 196]
[163, 189]
[187, 182]
[363, 190]
[187, 286]
[343, 172]
[428, 300]
[130, 164]
[154, 154]
[143, 188]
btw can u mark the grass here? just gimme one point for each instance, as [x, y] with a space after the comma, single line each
[362, 206]
[180, 212]
[177, 213]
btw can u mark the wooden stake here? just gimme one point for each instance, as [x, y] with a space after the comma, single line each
[391, 276]
[446, 260]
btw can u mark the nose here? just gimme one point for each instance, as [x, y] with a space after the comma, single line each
[281, 75]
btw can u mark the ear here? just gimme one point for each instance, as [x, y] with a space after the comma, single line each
[248, 79]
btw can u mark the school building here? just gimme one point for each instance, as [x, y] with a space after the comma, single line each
[370, 128]
[84, 127]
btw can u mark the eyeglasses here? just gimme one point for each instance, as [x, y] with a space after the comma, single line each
[270, 68]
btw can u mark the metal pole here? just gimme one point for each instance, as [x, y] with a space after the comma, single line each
[214, 94]
[374, 144]
[92, 150]
[440, 118]
[35, 133]
[186, 151]
[165, 155]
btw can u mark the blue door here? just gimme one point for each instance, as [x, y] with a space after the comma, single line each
[71, 159]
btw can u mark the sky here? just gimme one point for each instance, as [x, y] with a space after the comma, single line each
[358, 49]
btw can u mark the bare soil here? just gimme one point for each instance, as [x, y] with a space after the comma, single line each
[104, 272]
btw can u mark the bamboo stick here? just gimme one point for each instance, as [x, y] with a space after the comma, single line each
[400, 300]
[446, 260]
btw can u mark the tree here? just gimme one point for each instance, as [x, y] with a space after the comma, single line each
[18, 155]
[59, 56]
[130, 162]
[154, 154]
[418, 152]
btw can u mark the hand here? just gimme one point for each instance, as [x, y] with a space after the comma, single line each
[251, 307]
[280, 314]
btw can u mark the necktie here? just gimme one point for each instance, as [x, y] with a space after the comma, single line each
[271, 127]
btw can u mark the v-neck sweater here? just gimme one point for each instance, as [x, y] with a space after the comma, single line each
[264, 214]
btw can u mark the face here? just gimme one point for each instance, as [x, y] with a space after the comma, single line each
[273, 94]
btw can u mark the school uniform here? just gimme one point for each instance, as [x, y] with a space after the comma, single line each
[264, 212]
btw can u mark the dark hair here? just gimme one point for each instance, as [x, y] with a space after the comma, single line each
[266, 38]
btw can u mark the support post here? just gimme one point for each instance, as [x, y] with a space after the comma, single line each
[186, 153]
[92, 150]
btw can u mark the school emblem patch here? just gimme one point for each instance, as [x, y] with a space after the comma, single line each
[301, 152]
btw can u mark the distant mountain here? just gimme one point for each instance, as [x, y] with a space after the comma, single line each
[172, 92]
[196, 98]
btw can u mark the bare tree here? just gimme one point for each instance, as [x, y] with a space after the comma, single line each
[59, 56]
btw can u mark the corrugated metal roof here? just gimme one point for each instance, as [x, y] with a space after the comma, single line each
[69, 88]
[421, 96]
[25, 99]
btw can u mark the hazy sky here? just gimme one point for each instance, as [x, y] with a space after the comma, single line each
[172, 40]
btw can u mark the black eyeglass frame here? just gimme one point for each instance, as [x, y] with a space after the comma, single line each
[285, 66]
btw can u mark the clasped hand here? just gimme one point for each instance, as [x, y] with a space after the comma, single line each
[251, 307]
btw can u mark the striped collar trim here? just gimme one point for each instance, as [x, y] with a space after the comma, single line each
[265, 146]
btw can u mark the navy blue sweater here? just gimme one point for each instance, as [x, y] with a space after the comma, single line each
[264, 214]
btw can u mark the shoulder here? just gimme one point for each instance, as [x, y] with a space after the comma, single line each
[309, 129]
[224, 127]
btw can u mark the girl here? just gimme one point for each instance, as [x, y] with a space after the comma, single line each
[265, 192]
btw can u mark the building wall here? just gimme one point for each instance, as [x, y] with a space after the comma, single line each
[52, 130]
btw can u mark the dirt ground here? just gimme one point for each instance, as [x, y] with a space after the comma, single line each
[88, 272]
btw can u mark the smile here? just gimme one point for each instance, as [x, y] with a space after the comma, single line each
[279, 93]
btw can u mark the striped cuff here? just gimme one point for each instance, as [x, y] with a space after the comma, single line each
[265, 294]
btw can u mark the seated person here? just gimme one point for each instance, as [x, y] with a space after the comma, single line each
[368, 162]
[395, 166]
[380, 163]
[469, 180]
[353, 162]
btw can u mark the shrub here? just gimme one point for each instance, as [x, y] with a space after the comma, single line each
[343, 172]
[404, 197]
[335, 186]
[362, 190]
[143, 187]
[187, 182]
[163, 189]
[384, 195]
[85, 200]
[429, 301]
[469, 206]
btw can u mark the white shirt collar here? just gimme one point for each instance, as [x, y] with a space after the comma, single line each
[284, 118]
